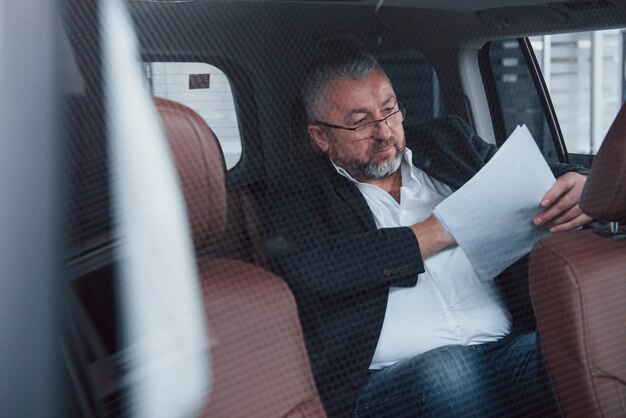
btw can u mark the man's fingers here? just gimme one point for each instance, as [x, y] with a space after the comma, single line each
[562, 197]
[564, 217]
[577, 222]
[563, 185]
[561, 207]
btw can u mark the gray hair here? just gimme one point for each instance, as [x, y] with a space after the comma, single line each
[333, 64]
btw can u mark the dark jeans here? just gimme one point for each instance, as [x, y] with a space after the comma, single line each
[506, 378]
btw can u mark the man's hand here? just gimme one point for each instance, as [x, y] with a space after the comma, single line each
[561, 211]
[432, 236]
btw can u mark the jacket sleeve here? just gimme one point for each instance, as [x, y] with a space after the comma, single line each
[558, 169]
[318, 252]
[486, 151]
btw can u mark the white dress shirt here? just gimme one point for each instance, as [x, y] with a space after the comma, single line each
[449, 304]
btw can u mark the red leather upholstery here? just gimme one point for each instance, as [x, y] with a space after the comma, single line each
[578, 288]
[199, 161]
[604, 196]
[259, 360]
[260, 364]
[243, 239]
[234, 234]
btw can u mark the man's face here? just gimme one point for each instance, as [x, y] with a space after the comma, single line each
[351, 103]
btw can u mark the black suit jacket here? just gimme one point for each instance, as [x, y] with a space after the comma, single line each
[325, 244]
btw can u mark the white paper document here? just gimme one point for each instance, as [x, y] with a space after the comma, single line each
[491, 215]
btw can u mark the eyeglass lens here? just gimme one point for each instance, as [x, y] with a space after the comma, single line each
[368, 129]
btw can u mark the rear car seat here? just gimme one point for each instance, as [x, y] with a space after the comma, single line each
[259, 360]
[243, 238]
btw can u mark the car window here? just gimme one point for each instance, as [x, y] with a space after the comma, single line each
[514, 99]
[584, 75]
[205, 89]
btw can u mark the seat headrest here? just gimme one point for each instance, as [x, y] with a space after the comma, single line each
[604, 195]
[201, 170]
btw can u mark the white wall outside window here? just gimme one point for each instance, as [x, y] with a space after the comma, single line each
[584, 73]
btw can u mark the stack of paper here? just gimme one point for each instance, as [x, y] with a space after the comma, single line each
[491, 215]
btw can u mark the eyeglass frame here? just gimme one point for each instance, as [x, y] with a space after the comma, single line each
[401, 108]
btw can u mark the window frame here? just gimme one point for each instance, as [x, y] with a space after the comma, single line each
[495, 106]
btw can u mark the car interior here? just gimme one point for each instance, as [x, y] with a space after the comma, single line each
[163, 296]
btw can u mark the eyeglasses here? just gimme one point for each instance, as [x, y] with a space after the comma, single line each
[367, 129]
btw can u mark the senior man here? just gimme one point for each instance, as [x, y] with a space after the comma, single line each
[395, 320]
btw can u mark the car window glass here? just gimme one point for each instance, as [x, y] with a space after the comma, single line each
[415, 82]
[520, 104]
[584, 75]
[205, 89]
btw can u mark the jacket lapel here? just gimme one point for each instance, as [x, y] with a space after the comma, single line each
[350, 195]
[428, 157]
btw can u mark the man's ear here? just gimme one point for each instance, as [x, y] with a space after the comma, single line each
[318, 136]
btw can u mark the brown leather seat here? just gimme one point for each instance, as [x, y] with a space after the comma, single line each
[578, 288]
[243, 238]
[259, 361]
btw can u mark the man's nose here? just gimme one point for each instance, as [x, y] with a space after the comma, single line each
[382, 132]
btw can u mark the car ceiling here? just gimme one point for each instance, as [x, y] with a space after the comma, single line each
[426, 23]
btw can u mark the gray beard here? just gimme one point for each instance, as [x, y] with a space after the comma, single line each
[371, 171]
[375, 171]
